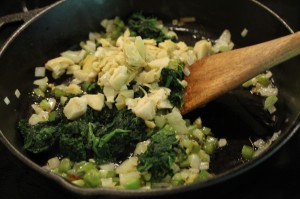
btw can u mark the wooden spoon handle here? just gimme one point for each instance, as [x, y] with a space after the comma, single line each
[217, 74]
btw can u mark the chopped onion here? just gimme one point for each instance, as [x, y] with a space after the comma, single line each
[40, 72]
[244, 32]
[17, 93]
[6, 100]
[222, 142]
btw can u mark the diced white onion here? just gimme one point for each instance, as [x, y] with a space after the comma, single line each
[244, 32]
[53, 163]
[40, 71]
[17, 93]
[108, 167]
[222, 142]
[6, 100]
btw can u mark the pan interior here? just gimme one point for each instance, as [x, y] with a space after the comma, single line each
[230, 116]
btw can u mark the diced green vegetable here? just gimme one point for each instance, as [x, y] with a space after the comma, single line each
[270, 101]
[65, 165]
[203, 175]
[58, 92]
[247, 152]
[39, 92]
[210, 145]
[92, 178]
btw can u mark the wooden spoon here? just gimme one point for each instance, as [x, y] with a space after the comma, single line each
[215, 75]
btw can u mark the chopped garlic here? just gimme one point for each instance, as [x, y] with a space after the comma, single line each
[143, 108]
[202, 49]
[75, 108]
[40, 117]
[73, 89]
[95, 101]
[58, 66]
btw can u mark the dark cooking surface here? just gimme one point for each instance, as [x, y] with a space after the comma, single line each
[276, 178]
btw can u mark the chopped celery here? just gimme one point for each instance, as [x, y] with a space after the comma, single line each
[263, 80]
[39, 92]
[247, 152]
[63, 100]
[57, 92]
[83, 167]
[203, 175]
[204, 157]
[206, 130]
[177, 179]
[53, 116]
[43, 87]
[210, 145]
[65, 165]
[270, 101]
[45, 105]
[79, 182]
[133, 184]
[248, 83]
[92, 178]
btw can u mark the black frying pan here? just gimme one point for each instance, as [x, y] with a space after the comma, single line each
[64, 25]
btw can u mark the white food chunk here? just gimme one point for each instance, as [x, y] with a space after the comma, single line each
[73, 89]
[39, 71]
[145, 108]
[202, 49]
[95, 101]
[128, 165]
[119, 77]
[17, 93]
[75, 108]
[40, 117]
[58, 66]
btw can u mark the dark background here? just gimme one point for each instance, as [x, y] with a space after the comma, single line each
[278, 177]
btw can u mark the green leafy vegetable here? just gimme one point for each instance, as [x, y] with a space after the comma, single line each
[106, 136]
[146, 27]
[40, 137]
[72, 142]
[160, 154]
[170, 78]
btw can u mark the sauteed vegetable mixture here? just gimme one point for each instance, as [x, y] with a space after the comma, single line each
[111, 110]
